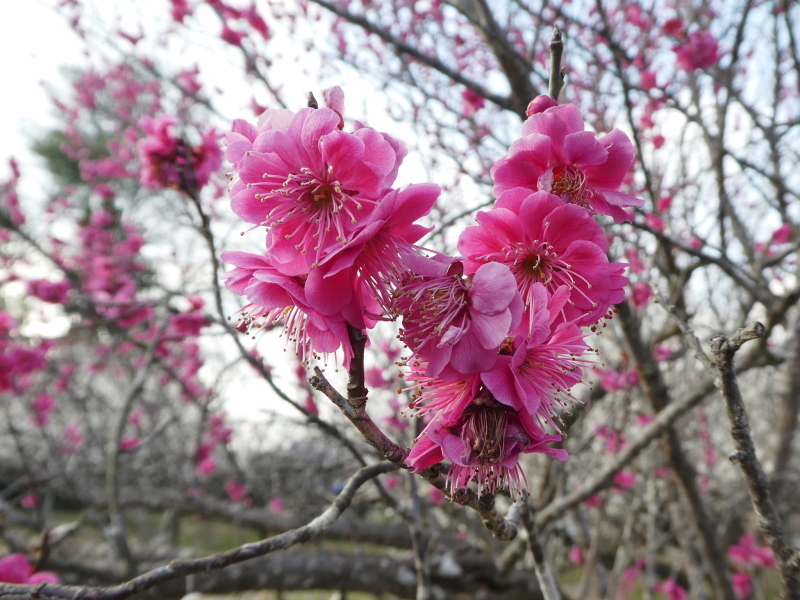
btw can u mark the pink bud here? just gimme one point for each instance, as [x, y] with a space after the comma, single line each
[540, 104]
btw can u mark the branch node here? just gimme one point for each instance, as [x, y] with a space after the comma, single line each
[312, 101]
[736, 457]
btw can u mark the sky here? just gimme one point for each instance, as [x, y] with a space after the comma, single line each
[35, 41]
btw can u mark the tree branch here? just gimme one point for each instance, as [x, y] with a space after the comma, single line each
[769, 521]
[181, 568]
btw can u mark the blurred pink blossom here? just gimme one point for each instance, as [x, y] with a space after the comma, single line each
[236, 491]
[670, 589]
[15, 568]
[575, 555]
[699, 50]
[276, 505]
[742, 586]
[625, 479]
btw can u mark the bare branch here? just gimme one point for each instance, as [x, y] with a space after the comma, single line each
[182, 568]
[769, 521]
[405, 48]
[544, 573]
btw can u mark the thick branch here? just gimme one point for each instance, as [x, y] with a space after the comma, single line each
[769, 521]
[181, 568]
[655, 388]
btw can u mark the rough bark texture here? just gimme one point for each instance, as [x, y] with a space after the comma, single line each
[769, 521]
[656, 390]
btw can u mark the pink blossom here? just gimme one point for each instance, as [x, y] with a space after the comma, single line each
[309, 182]
[537, 374]
[635, 264]
[314, 311]
[643, 420]
[436, 496]
[670, 589]
[742, 586]
[255, 20]
[473, 102]
[457, 321]
[29, 501]
[72, 439]
[276, 505]
[387, 235]
[699, 50]
[392, 482]
[540, 104]
[575, 555]
[593, 501]
[613, 380]
[629, 576]
[782, 235]
[556, 155]
[15, 568]
[615, 441]
[206, 466]
[236, 491]
[642, 292]
[673, 26]
[231, 36]
[664, 202]
[7, 323]
[695, 242]
[311, 405]
[747, 552]
[544, 241]
[129, 443]
[42, 407]
[375, 377]
[483, 442]
[648, 80]
[654, 221]
[180, 10]
[168, 161]
[662, 352]
[218, 433]
[46, 291]
[625, 479]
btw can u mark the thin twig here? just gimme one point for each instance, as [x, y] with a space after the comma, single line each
[544, 573]
[556, 72]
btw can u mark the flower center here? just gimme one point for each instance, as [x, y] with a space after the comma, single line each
[430, 307]
[569, 183]
[485, 430]
[322, 196]
[535, 266]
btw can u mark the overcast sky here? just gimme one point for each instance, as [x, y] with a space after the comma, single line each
[34, 42]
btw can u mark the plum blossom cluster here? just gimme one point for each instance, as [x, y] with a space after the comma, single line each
[496, 335]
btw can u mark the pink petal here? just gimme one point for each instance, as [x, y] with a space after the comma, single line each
[527, 158]
[582, 148]
[334, 99]
[493, 288]
[14, 568]
[568, 223]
